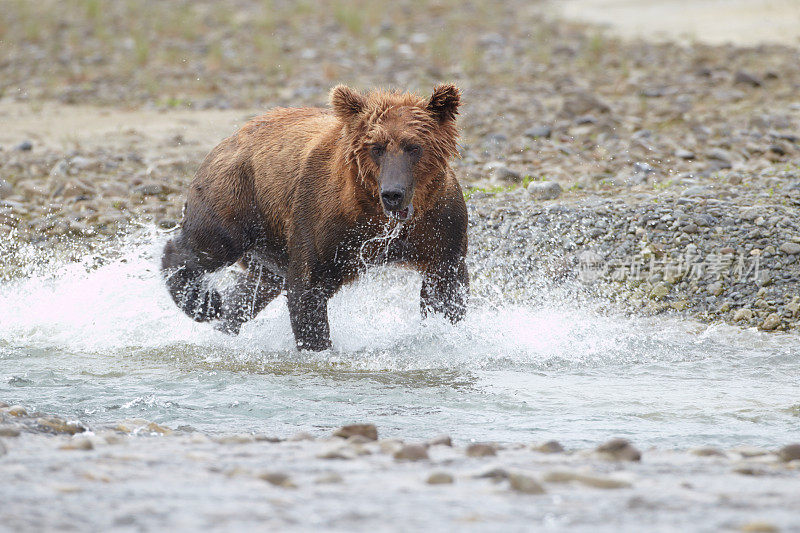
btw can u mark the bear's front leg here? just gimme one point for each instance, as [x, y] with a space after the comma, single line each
[445, 290]
[308, 312]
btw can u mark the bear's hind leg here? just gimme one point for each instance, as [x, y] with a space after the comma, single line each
[254, 289]
[184, 269]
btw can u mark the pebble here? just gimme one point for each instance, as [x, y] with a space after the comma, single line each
[597, 482]
[480, 450]
[3, 449]
[3, 405]
[24, 146]
[441, 440]
[790, 248]
[524, 484]
[337, 452]
[790, 452]
[619, 450]
[544, 190]
[79, 443]
[551, 446]
[684, 154]
[707, 451]
[746, 78]
[440, 478]
[9, 431]
[495, 474]
[505, 175]
[329, 478]
[149, 189]
[742, 314]
[772, 321]
[301, 436]
[365, 430]
[411, 452]
[279, 479]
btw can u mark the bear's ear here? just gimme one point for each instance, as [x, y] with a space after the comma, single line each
[346, 102]
[443, 103]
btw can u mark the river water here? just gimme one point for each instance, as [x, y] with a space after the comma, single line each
[98, 339]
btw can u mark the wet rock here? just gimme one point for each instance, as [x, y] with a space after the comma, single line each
[790, 248]
[9, 431]
[480, 450]
[544, 190]
[79, 443]
[3, 405]
[790, 452]
[439, 478]
[742, 314]
[279, 479]
[524, 484]
[411, 452]
[707, 451]
[597, 482]
[17, 410]
[550, 446]
[441, 440]
[619, 450]
[329, 478]
[24, 146]
[358, 439]
[365, 430]
[537, 132]
[59, 425]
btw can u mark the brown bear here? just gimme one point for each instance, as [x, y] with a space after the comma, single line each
[305, 198]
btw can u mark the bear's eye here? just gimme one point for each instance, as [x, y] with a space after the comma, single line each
[377, 150]
[413, 149]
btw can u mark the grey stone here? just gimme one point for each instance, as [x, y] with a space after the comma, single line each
[536, 132]
[790, 248]
[149, 189]
[544, 190]
[684, 154]
[24, 146]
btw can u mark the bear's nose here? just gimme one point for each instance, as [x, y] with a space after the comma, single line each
[393, 199]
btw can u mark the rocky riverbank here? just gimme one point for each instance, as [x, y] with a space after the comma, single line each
[142, 475]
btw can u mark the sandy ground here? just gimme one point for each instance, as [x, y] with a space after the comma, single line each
[86, 127]
[742, 22]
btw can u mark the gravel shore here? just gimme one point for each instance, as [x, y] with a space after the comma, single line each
[141, 475]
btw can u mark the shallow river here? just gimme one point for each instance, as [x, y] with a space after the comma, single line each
[100, 341]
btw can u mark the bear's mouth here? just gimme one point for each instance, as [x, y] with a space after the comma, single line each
[403, 214]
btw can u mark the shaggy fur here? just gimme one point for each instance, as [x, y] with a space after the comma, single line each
[294, 196]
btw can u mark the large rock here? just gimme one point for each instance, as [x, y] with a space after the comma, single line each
[544, 190]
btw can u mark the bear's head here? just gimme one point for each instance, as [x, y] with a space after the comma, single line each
[398, 143]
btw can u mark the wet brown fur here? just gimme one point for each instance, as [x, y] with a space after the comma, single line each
[294, 196]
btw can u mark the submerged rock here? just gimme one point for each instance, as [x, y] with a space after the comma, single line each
[619, 450]
[790, 452]
[17, 410]
[59, 425]
[524, 484]
[411, 452]
[551, 446]
[365, 430]
[279, 479]
[439, 478]
[480, 450]
[597, 482]
[329, 478]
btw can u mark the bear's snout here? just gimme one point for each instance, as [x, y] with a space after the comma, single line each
[393, 199]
